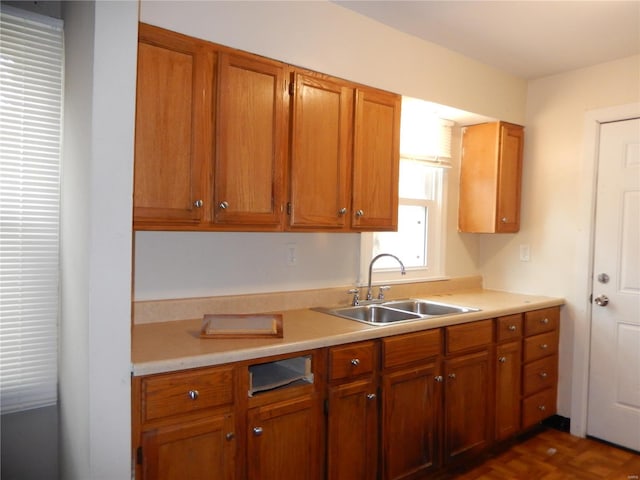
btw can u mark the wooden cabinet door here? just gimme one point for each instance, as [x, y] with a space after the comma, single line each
[376, 161]
[410, 422]
[321, 152]
[508, 379]
[285, 441]
[203, 449]
[250, 142]
[490, 178]
[467, 406]
[509, 178]
[353, 431]
[173, 128]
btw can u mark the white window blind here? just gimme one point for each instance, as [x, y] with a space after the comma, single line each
[31, 79]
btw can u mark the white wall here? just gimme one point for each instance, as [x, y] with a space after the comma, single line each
[95, 358]
[556, 199]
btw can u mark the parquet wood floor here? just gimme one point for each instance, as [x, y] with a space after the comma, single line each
[555, 455]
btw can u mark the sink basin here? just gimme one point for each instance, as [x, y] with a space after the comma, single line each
[424, 307]
[394, 311]
[374, 314]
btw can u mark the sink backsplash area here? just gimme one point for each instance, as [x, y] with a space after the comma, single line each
[151, 311]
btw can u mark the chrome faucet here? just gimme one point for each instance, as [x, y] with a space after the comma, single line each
[402, 270]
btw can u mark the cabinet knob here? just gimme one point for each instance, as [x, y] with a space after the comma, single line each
[359, 213]
[544, 321]
[371, 396]
[342, 211]
[512, 328]
[223, 205]
[543, 375]
[452, 376]
[198, 203]
[193, 394]
[502, 359]
[355, 362]
[230, 436]
[504, 219]
[544, 346]
[257, 431]
[438, 378]
[542, 408]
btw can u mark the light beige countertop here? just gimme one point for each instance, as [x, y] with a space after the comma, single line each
[176, 345]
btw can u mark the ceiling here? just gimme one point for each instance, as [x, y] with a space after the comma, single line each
[529, 38]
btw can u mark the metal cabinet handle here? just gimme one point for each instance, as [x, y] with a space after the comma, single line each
[359, 213]
[198, 203]
[355, 362]
[230, 436]
[502, 359]
[257, 431]
[512, 328]
[371, 396]
[193, 394]
[438, 378]
[342, 211]
[223, 205]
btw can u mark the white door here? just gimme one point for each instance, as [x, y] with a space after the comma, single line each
[614, 378]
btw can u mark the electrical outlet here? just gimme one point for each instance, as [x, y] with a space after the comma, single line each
[292, 254]
[525, 253]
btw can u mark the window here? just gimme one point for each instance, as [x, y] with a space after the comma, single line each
[31, 72]
[425, 150]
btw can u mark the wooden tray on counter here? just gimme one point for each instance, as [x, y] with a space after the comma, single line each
[242, 326]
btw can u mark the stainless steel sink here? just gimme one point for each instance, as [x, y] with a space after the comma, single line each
[374, 314]
[424, 307]
[395, 311]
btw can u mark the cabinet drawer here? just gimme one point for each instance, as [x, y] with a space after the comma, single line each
[351, 360]
[410, 348]
[184, 392]
[540, 346]
[469, 335]
[539, 321]
[539, 375]
[508, 327]
[538, 407]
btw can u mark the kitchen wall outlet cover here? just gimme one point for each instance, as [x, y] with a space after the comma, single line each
[292, 254]
[525, 253]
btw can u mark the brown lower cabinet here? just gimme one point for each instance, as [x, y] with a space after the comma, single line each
[399, 407]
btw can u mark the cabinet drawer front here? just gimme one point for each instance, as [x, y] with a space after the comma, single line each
[543, 320]
[540, 346]
[508, 327]
[410, 348]
[538, 407]
[184, 392]
[469, 335]
[539, 375]
[351, 360]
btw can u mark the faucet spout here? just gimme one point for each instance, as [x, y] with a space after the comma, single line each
[373, 260]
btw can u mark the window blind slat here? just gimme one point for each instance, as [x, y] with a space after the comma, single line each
[31, 80]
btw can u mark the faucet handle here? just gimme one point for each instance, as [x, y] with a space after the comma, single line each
[381, 290]
[356, 296]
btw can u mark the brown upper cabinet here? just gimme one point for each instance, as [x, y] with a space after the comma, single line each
[227, 140]
[172, 108]
[490, 178]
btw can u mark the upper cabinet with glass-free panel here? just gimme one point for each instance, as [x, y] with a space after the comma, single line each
[226, 141]
[490, 178]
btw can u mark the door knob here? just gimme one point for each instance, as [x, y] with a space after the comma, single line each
[601, 300]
